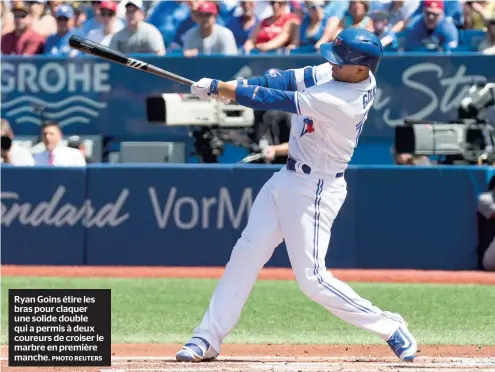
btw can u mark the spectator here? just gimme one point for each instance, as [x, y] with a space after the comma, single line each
[23, 40]
[7, 18]
[452, 9]
[43, 21]
[58, 43]
[382, 29]
[138, 36]
[208, 37]
[432, 30]
[80, 16]
[76, 142]
[226, 9]
[478, 13]
[55, 153]
[166, 17]
[96, 21]
[185, 25]
[312, 26]
[334, 14]
[275, 31]
[357, 16]
[54, 4]
[399, 12]
[487, 46]
[147, 6]
[242, 25]
[486, 227]
[12, 153]
[104, 34]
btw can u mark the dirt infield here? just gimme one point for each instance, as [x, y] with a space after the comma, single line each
[374, 276]
[159, 357]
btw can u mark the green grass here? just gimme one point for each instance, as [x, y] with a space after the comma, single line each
[167, 310]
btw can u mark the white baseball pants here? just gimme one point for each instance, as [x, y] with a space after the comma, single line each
[300, 209]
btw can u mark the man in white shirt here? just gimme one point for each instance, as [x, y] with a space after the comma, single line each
[11, 153]
[57, 154]
[109, 25]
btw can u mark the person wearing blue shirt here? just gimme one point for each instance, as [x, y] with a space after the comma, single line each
[312, 26]
[58, 43]
[452, 8]
[226, 9]
[382, 28]
[432, 30]
[242, 25]
[166, 17]
[334, 12]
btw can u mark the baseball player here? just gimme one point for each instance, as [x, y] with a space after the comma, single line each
[299, 203]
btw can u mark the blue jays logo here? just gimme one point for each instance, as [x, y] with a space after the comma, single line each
[337, 41]
[307, 127]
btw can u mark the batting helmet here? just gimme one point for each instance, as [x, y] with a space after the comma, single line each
[354, 46]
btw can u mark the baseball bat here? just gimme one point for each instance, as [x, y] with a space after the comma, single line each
[101, 51]
[251, 158]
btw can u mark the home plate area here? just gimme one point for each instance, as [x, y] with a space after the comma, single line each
[301, 364]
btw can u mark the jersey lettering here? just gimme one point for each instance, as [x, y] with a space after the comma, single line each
[368, 97]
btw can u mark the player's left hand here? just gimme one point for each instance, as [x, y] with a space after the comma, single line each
[205, 88]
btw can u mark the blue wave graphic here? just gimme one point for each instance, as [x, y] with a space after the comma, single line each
[72, 110]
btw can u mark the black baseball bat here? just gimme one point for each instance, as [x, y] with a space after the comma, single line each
[98, 50]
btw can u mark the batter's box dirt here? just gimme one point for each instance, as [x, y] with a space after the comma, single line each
[254, 364]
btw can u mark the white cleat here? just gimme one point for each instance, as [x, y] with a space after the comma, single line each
[196, 350]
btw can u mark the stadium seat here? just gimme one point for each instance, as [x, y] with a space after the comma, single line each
[469, 40]
[306, 49]
[401, 39]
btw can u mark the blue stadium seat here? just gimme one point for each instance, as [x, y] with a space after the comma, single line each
[401, 39]
[469, 40]
[306, 49]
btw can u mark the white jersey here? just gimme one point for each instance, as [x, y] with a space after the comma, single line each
[331, 115]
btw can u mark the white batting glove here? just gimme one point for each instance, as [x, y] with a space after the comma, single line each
[205, 88]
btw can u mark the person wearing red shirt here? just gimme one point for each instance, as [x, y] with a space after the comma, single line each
[23, 40]
[275, 31]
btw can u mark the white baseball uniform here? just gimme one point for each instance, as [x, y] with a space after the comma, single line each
[300, 206]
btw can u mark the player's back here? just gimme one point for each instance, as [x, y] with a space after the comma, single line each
[331, 118]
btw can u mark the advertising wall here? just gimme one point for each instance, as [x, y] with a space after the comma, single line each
[192, 215]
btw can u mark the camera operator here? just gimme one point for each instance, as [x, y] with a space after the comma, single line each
[56, 153]
[12, 153]
[486, 227]
[273, 126]
[76, 142]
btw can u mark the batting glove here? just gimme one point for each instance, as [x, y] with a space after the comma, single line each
[205, 88]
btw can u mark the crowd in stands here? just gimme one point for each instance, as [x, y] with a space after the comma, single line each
[243, 27]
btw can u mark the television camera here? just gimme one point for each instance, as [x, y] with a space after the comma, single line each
[211, 123]
[468, 140]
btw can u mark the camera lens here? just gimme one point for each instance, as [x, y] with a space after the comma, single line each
[6, 143]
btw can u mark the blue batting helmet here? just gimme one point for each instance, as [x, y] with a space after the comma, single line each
[354, 46]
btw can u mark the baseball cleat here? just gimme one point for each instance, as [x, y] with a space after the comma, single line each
[196, 350]
[403, 344]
